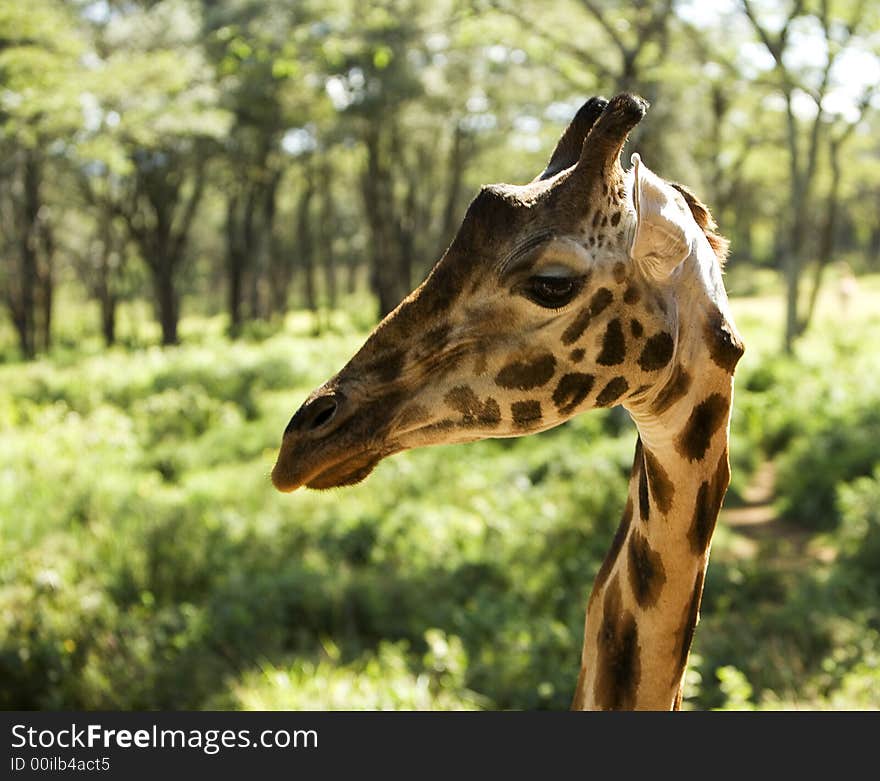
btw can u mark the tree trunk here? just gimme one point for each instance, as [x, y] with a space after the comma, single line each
[235, 263]
[167, 303]
[108, 319]
[46, 276]
[377, 190]
[305, 242]
[826, 241]
[326, 228]
[28, 247]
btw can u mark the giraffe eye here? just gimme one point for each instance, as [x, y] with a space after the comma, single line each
[552, 292]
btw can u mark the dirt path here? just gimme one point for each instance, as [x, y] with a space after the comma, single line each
[757, 527]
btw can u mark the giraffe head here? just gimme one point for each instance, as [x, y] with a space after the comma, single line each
[554, 297]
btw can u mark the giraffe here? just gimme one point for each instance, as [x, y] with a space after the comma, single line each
[588, 287]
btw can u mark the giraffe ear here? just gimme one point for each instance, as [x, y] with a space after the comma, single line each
[664, 234]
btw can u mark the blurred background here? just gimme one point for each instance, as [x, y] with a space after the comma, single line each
[206, 206]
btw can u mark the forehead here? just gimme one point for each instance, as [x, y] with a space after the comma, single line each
[506, 221]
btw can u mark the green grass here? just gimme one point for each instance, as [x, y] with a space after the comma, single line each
[146, 562]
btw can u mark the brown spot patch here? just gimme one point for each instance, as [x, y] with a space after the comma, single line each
[705, 419]
[676, 387]
[437, 338]
[615, 218]
[413, 415]
[600, 300]
[579, 699]
[725, 348]
[597, 218]
[616, 546]
[612, 392]
[571, 391]
[646, 572]
[388, 367]
[577, 355]
[657, 352]
[526, 413]
[619, 272]
[618, 664]
[473, 411]
[689, 624]
[632, 295]
[644, 498]
[613, 345]
[635, 328]
[525, 375]
[662, 488]
[708, 505]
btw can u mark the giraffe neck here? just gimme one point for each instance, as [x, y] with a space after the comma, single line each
[645, 601]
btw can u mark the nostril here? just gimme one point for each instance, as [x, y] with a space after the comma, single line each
[315, 414]
[323, 415]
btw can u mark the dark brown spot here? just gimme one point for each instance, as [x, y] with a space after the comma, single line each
[662, 489]
[525, 413]
[707, 507]
[646, 572]
[571, 391]
[615, 218]
[612, 392]
[437, 338]
[525, 375]
[600, 237]
[724, 346]
[616, 546]
[473, 411]
[577, 355]
[618, 665]
[597, 217]
[388, 367]
[675, 388]
[619, 272]
[604, 220]
[644, 498]
[598, 303]
[579, 699]
[412, 416]
[635, 328]
[657, 352]
[705, 419]
[689, 624]
[613, 345]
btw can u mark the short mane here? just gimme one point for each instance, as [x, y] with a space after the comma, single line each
[706, 221]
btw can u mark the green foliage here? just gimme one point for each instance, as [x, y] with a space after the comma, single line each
[145, 561]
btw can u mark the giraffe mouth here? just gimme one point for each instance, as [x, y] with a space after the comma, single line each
[291, 473]
[348, 472]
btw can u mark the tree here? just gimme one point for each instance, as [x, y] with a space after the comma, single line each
[804, 137]
[151, 76]
[38, 111]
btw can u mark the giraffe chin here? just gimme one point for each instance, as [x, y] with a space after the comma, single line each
[340, 475]
[349, 471]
